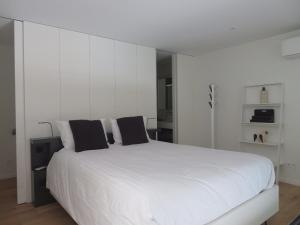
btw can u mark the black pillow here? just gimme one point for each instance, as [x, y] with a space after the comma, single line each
[132, 130]
[88, 135]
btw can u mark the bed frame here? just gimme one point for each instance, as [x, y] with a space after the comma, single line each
[256, 211]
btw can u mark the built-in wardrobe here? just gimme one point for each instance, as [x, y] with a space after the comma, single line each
[70, 75]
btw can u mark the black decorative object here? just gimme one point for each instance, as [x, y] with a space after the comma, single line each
[263, 116]
[254, 137]
[261, 137]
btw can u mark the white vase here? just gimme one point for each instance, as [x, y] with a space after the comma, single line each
[264, 98]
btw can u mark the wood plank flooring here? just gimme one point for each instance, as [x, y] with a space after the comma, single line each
[54, 214]
[289, 205]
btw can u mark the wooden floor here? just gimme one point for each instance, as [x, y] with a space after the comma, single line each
[53, 214]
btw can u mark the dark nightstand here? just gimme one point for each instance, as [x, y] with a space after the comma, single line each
[42, 150]
[40, 194]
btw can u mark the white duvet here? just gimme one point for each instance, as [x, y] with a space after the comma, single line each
[155, 183]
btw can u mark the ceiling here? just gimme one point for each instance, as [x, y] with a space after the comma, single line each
[190, 26]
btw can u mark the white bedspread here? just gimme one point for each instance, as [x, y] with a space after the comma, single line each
[155, 184]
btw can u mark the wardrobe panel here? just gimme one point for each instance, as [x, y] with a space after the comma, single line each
[102, 77]
[146, 84]
[75, 75]
[126, 79]
[41, 78]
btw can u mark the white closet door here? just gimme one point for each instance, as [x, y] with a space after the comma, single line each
[41, 71]
[126, 79]
[75, 75]
[102, 77]
[146, 83]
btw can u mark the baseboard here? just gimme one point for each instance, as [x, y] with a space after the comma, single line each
[7, 175]
[290, 181]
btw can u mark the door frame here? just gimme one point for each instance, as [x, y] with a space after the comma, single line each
[174, 93]
[22, 157]
[174, 98]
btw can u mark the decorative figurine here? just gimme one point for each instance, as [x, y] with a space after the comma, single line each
[254, 137]
[262, 137]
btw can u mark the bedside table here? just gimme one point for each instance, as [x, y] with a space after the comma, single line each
[42, 150]
[40, 194]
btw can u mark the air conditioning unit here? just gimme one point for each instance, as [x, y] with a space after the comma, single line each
[290, 48]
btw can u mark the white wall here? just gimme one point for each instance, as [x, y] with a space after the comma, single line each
[192, 107]
[230, 69]
[7, 113]
[70, 75]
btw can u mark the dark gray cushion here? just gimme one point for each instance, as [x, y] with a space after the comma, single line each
[132, 130]
[88, 135]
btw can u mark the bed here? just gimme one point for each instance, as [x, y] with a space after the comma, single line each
[160, 183]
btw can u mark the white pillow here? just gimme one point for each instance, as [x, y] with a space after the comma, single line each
[66, 134]
[116, 131]
[104, 128]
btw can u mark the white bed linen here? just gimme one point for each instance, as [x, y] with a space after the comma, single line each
[155, 183]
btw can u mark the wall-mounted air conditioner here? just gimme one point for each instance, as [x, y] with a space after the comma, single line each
[290, 48]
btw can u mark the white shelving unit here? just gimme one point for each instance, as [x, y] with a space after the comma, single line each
[274, 139]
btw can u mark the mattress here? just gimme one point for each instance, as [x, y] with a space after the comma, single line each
[155, 183]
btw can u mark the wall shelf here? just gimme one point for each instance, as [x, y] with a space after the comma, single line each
[272, 132]
[263, 105]
[259, 143]
[263, 85]
[256, 124]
